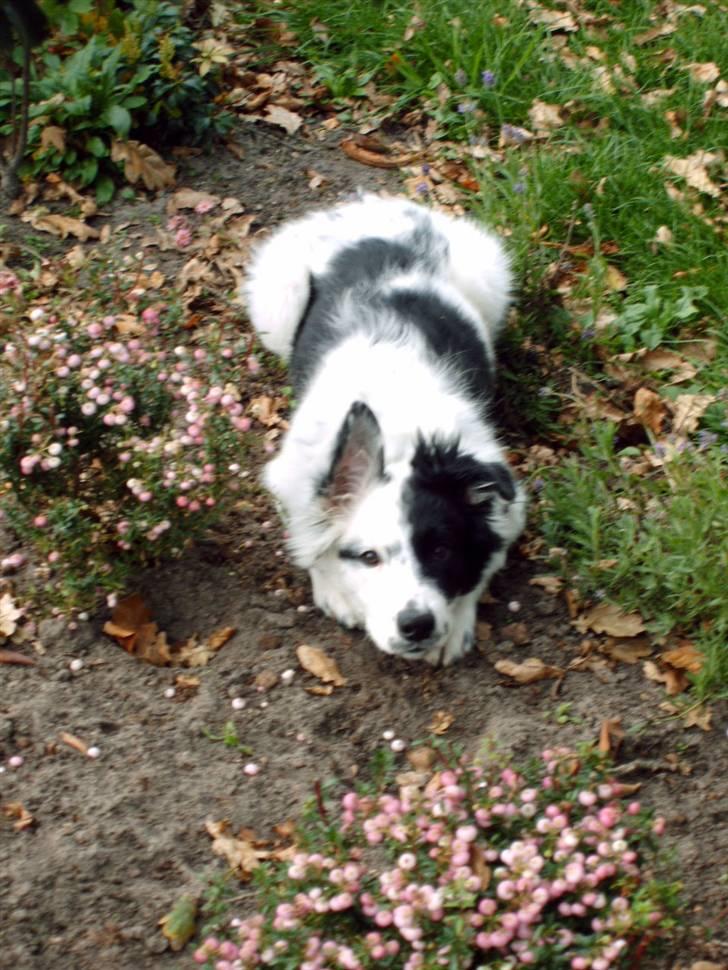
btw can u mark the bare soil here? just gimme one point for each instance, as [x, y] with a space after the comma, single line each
[118, 839]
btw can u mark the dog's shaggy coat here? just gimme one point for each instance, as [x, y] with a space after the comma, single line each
[395, 492]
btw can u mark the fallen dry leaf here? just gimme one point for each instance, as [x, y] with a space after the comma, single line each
[73, 742]
[316, 662]
[611, 735]
[694, 169]
[649, 409]
[615, 279]
[12, 656]
[517, 633]
[479, 865]
[528, 671]
[609, 618]
[265, 680]
[263, 409]
[422, 758]
[545, 117]
[132, 627]
[673, 680]
[687, 410]
[240, 851]
[320, 690]
[283, 118]
[441, 722]
[18, 811]
[190, 199]
[704, 73]
[552, 584]
[53, 137]
[684, 657]
[57, 225]
[142, 162]
[661, 30]
[699, 716]
[9, 613]
[377, 159]
[552, 20]
[627, 649]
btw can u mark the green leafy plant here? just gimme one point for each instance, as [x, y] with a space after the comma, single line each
[482, 864]
[654, 543]
[652, 319]
[142, 75]
[229, 737]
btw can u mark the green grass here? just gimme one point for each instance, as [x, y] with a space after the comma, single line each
[600, 180]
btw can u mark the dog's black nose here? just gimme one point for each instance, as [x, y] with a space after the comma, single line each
[415, 625]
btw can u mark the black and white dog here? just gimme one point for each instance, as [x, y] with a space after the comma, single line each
[394, 489]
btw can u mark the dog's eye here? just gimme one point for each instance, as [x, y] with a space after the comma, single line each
[441, 553]
[370, 558]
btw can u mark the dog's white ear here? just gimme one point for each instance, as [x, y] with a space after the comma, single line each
[493, 479]
[358, 458]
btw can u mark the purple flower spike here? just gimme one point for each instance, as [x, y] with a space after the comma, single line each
[488, 79]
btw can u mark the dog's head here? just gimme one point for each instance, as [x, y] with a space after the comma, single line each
[412, 539]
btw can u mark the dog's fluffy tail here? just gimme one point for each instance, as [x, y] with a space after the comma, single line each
[278, 288]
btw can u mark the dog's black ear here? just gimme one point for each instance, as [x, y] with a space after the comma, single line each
[493, 478]
[358, 458]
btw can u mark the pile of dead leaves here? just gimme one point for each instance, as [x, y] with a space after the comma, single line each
[133, 628]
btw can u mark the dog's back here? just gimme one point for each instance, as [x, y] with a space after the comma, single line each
[351, 256]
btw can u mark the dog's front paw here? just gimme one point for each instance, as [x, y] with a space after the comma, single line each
[461, 637]
[334, 603]
[455, 647]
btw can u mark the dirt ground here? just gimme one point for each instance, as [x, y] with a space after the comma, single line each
[118, 839]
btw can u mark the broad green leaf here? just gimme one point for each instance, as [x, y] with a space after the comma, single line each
[119, 119]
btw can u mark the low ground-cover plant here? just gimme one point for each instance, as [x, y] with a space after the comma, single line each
[121, 432]
[656, 542]
[482, 865]
[140, 72]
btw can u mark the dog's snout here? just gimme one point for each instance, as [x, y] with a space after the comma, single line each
[415, 625]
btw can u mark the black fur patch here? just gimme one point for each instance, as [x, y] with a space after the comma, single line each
[449, 336]
[451, 536]
[357, 266]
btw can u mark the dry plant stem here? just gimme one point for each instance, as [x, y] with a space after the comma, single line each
[10, 184]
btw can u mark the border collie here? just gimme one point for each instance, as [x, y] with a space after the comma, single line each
[395, 492]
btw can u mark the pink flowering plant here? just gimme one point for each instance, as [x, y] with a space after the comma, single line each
[481, 865]
[122, 433]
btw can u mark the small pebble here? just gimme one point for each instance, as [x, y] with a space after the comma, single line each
[251, 769]
[15, 760]
[301, 609]
[387, 735]
[264, 703]
[514, 606]
[287, 676]
[83, 616]
[169, 692]
[93, 752]
[398, 744]
[238, 703]
[76, 664]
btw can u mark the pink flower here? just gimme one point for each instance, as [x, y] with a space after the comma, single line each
[182, 238]
[150, 316]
